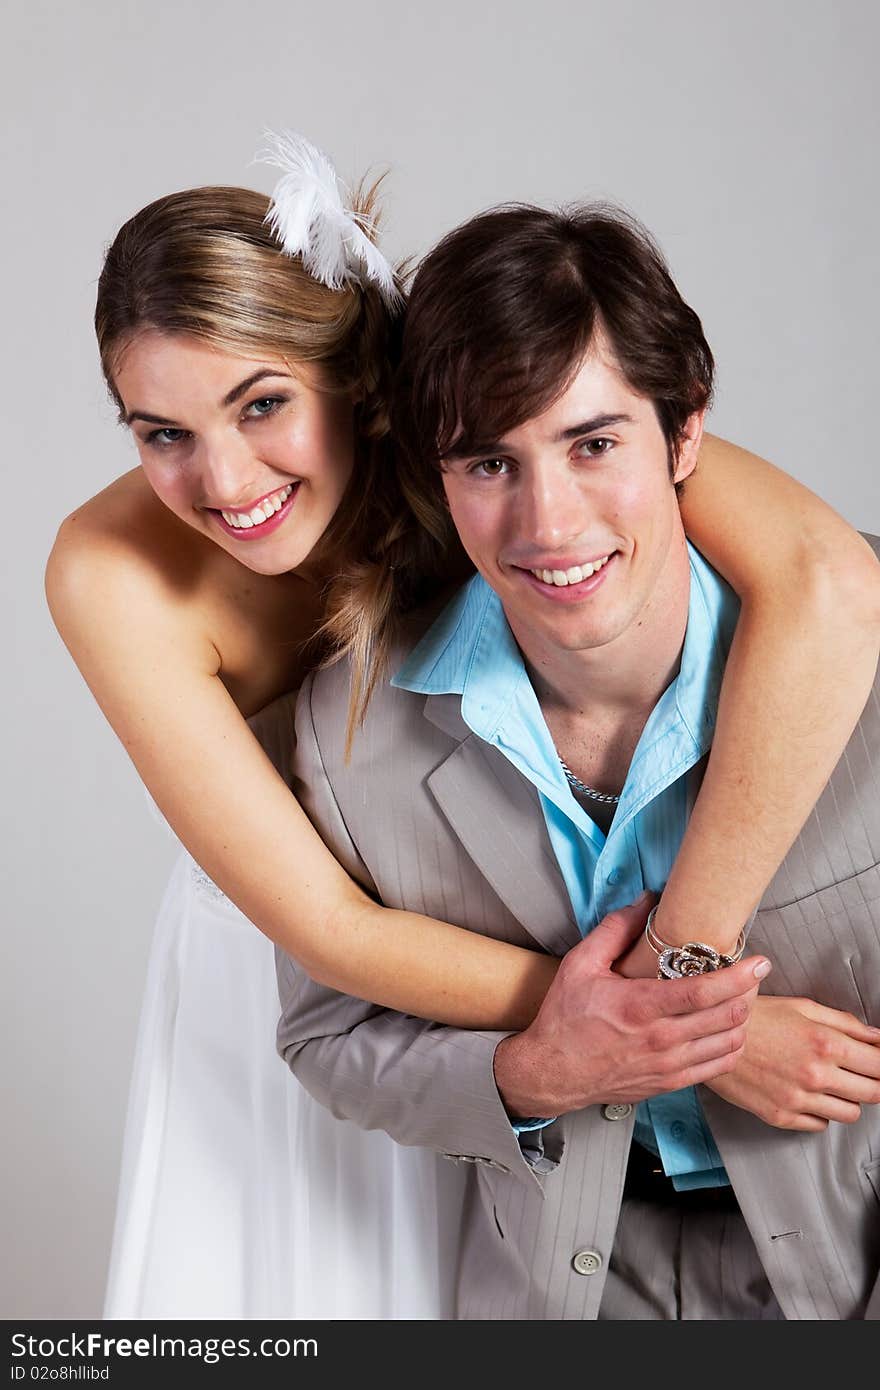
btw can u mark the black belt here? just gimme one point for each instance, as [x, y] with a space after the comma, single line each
[646, 1180]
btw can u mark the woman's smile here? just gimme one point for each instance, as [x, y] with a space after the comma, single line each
[236, 447]
[263, 518]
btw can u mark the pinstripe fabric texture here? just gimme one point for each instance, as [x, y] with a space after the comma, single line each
[427, 817]
[674, 1264]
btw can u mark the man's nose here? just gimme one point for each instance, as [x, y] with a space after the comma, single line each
[550, 510]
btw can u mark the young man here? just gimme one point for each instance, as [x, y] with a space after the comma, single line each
[532, 770]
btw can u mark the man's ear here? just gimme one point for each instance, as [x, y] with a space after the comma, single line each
[689, 446]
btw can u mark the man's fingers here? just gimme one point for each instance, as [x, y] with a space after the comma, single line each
[617, 931]
[726, 1044]
[699, 992]
[710, 1070]
[685, 1029]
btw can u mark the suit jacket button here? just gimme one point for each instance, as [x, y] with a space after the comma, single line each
[617, 1112]
[587, 1261]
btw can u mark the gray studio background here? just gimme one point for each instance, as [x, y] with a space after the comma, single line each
[744, 136]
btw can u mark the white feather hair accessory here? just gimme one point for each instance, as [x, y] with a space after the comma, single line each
[311, 218]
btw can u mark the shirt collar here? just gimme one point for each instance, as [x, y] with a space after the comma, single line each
[470, 651]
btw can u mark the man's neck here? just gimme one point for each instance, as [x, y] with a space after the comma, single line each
[629, 672]
[596, 701]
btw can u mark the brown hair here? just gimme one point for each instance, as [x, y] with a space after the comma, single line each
[500, 316]
[204, 262]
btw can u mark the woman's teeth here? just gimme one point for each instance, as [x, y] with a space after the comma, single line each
[573, 576]
[268, 507]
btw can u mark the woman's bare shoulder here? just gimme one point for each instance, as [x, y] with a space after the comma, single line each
[122, 557]
[126, 526]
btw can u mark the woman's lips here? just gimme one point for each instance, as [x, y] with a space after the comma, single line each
[261, 529]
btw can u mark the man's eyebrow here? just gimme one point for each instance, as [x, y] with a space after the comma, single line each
[596, 422]
[229, 399]
[456, 452]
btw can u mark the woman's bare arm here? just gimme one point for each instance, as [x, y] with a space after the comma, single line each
[139, 641]
[799, 673]
[810, 603]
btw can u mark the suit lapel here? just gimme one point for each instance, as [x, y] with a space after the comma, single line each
[497, 816]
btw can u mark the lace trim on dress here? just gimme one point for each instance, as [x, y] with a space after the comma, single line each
[206, 885]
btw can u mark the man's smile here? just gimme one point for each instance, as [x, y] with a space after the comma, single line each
[570, 585]
[571, 575]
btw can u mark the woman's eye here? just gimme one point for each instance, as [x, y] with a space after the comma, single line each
[490, 468]
[266, 405]
[166, 436]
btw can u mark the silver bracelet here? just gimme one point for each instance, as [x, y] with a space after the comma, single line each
[693, 958]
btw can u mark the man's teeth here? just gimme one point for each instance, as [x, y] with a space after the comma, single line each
[268, 507]
[573, 576]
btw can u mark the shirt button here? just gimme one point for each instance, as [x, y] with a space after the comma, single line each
[587, 1261]
[615, 876]
[677, 1129]
[617, 1112]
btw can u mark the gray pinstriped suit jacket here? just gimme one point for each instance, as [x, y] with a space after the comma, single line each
[430, 818]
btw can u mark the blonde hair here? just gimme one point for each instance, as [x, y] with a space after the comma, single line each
[203, 262]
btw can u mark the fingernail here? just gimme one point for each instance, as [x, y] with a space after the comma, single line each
[762, 969]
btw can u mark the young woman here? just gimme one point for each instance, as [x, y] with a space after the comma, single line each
[190, 593]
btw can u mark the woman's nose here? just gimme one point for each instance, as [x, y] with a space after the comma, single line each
[227, 474]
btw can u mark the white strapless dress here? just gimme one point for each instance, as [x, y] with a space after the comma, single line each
[240, 1196]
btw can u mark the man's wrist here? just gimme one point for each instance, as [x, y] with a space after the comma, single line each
[517, 1078]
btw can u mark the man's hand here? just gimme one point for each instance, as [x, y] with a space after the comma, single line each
[804, 1064]
[601, 1038]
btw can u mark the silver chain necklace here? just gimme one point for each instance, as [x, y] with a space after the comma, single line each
[582, 787]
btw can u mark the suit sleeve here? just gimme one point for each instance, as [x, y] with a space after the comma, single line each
[425, 1084]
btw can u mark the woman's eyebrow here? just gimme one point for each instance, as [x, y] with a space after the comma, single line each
[238, 391]
[149, 419]
[229, 399]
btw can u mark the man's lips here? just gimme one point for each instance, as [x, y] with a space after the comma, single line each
[570, 592]
[561, 573]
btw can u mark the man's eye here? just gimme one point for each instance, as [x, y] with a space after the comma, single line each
[490, 468]
[166, 436]
[594, 448]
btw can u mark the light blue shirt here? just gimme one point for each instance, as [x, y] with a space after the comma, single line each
[470, 651]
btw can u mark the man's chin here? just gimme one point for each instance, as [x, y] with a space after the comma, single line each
[582, 641]
[563, 631]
